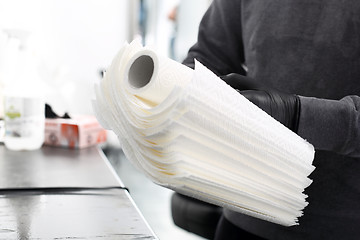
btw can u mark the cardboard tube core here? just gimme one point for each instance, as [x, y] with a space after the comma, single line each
[141, 71]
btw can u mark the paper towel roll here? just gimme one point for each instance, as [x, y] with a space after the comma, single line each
[152, 77]
[189, 131]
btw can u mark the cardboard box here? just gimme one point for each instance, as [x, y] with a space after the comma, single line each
[78, 132]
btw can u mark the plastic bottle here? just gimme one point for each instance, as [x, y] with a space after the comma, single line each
[24, 122]
[24, 106]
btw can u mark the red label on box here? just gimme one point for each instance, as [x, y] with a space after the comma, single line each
[78, 132]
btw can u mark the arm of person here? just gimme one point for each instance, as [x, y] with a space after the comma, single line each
[331, 125]
[219, 46]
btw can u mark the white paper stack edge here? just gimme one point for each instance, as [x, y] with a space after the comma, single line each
[189, 131]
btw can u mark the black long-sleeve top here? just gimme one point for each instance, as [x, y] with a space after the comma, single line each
[309, 48]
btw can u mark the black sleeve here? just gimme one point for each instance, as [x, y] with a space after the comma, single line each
[331, 125]
[219, 46]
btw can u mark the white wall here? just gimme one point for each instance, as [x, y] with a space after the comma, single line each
[160, 29]
[189, 16]
[72, 40]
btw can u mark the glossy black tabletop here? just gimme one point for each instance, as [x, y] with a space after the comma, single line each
[54, 167]
[86, 215]
[32, 212]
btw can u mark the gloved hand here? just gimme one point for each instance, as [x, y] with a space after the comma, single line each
[283, 107]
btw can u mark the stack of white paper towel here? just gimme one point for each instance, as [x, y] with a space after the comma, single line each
[189, 131]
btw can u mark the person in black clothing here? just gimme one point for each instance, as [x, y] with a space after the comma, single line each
[301, 60]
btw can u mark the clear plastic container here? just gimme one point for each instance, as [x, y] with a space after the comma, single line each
[24, 122]
[24, 107]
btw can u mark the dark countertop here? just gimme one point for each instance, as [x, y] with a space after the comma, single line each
[55, 167]
[32, 213]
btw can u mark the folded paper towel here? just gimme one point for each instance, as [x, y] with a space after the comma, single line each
[189, 131]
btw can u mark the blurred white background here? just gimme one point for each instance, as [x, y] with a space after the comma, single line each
[68, 43]
[61, 46]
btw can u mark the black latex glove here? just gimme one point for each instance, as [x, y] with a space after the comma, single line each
[283, 107]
